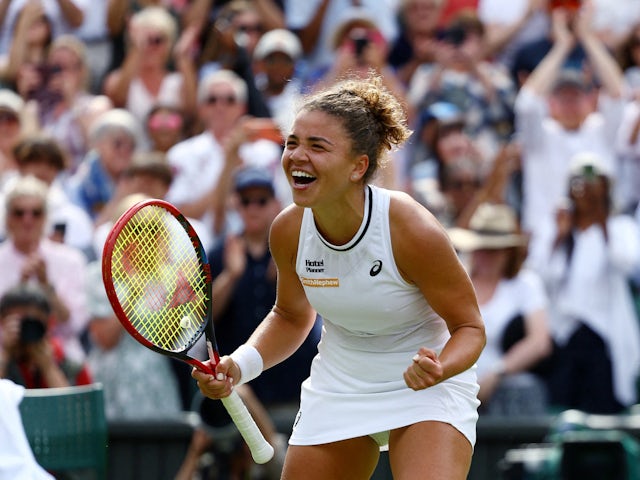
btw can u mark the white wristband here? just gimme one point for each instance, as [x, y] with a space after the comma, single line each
[249, 361]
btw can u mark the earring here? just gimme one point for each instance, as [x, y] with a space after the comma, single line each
[354, 176]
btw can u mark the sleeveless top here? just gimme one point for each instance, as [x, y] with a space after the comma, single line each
[374, 322]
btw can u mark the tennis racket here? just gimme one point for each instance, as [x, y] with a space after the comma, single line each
[158, 281]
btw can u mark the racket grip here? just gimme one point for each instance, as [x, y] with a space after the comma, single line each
[261, 450]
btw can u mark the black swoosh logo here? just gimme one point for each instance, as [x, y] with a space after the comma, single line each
[377, 267]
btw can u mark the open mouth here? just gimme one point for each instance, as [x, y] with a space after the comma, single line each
[302, 178]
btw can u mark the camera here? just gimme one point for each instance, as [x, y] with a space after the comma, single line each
[455, 35]
[32, 330]
[360, 39]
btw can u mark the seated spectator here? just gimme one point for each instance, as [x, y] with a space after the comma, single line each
[138, 383]
[42, 157]
[62, 20]
[441, 141]
[587, 260]
[29, 355]
[513, 303]
[149, 176]
[115, 136]
[29, 256]
[30, 40]
[228, 136]
[68, 83]
[316, 21]
[275, 58]
[460, 75]
[359, 46]
[11, 109]
[145, 77]
[415, 43]
[165, 127]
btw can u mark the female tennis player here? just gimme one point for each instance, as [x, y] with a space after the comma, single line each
[402, 329]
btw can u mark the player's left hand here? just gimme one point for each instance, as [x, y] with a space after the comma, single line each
[424, 371]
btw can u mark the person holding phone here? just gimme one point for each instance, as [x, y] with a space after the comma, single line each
[401, 329]
[587, 262]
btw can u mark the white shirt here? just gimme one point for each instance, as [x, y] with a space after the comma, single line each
[547, 149]
[522, 295]
[198, 162]
[16, 458]
[627, 192]
[66, 272]
[593, 288]
[509, 12]
[300, 12]
[52, 10]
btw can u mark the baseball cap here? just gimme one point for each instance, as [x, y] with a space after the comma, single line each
[278, 40]
[571, 78]
[587, 164]
[9, 100]
[254, 177]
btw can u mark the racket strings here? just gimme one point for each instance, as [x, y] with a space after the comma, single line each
[159, 280]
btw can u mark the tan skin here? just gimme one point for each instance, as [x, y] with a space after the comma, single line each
[320, 146]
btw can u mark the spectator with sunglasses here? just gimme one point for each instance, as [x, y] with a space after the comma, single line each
[145, 76]
[114, 137]
[67, 113]
[29, 256]
[229, 135]
[166, 125]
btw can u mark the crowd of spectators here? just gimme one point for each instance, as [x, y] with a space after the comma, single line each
[526, 120]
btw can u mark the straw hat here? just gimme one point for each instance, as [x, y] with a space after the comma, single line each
[492, 226]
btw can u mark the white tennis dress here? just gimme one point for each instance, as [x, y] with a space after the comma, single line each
[374, 322]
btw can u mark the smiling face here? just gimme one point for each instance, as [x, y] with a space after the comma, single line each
[318, 160]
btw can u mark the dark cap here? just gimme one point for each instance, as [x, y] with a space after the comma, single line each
[250, 177]
[571, 78]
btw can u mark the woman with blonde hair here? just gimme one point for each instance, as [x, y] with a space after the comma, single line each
[145, 77]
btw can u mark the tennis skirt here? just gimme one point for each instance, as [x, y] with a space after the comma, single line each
[329, 416]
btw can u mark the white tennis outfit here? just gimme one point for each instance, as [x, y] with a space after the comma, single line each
[374, 323]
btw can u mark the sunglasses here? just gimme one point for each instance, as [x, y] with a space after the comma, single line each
[23, 212]
[260, 201]
[8, 117]
[223, 99]
[156, 40]
[165, 120]
[122, 144]
[257, 28]
[60, 68]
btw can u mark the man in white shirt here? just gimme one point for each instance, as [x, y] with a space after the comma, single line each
[198, 161]
[559, 114]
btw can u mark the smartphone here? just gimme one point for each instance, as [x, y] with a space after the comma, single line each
[264, 129]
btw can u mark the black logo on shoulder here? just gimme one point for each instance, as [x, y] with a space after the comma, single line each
[375, 270]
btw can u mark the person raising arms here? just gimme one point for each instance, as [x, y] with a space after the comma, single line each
[401, 325]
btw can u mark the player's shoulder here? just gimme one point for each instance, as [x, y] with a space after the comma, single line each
[285, 232]
[405, 212]
[412, 226]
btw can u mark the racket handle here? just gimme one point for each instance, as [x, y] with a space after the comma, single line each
[261, 450]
